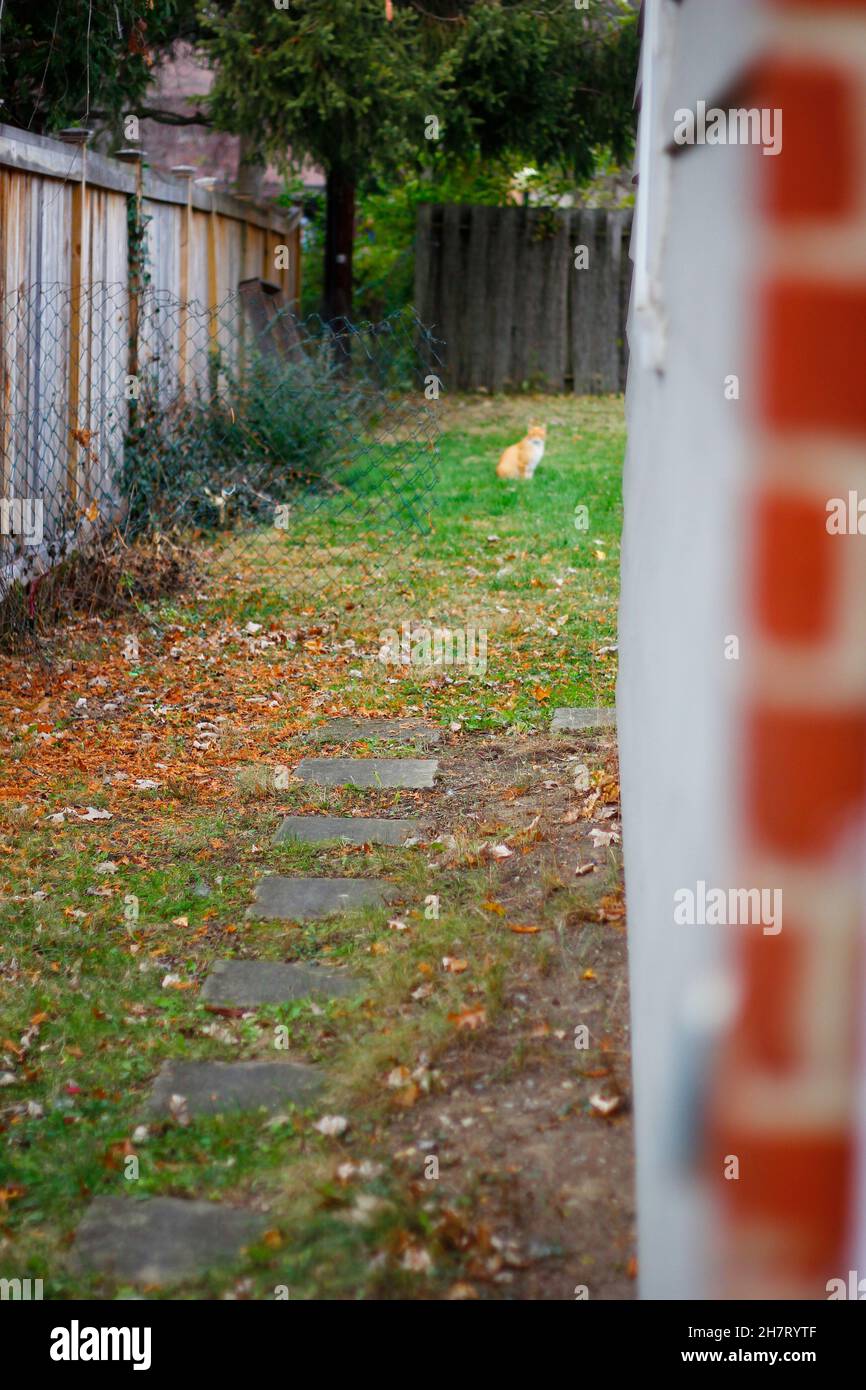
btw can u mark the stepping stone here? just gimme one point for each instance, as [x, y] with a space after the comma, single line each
[250, 982]
[212, 1088]
[281, 899]
[161, 1240]
[353, 730]
[368, 772]
[358, 830]
[566, 721]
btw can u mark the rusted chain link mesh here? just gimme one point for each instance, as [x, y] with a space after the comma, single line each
[264, 449]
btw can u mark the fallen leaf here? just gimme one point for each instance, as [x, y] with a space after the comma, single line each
[407, 1097]
[602, 838]
[398, 1077]
[605, 1105]
[469, 1019]
[179, 1111]
[332, 1125]
[611, 908]
[522, 930]
[416, 1260]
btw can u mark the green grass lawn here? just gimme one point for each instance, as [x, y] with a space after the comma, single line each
[84, 1017]
[508, 558]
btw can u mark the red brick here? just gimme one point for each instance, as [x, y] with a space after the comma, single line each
[796, 568]
[818, 7]
[811, 349]
[801, 1184]
[805, 777]
[769, 1032]
[816, 173]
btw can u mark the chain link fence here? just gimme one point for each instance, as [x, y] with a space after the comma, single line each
[141, 436]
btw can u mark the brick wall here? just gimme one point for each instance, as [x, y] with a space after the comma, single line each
[787, 1093]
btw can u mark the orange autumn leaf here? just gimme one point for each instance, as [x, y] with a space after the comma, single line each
[494, 907]
[512, 793]
[407, 1096]
[523, 930]
[611, 908]
[469, 1019]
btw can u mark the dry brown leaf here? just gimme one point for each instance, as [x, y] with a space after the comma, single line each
[469, 1019]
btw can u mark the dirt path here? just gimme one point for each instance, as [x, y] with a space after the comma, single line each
[533, 1134]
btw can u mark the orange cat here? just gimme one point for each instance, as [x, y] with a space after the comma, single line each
[521, 460]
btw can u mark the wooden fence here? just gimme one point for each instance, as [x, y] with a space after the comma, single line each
[64, 219]
[73, 321]
[500, 286]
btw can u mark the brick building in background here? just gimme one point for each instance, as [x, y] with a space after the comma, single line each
[742, 696]
[179, 86]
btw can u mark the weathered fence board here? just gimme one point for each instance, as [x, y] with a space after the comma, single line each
[70, 302]
[500, 287]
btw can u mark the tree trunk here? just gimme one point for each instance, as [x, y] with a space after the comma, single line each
[251, 170]
[339, 239]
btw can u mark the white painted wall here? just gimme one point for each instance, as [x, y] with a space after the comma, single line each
[680, 558]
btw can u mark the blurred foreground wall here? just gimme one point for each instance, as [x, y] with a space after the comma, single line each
[742, 695]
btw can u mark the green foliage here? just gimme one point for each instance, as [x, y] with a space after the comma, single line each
[329, 78]
[342, 87]
[547, 84]
[64, 64]
[253, 438]
[510, 82]
[384, 251]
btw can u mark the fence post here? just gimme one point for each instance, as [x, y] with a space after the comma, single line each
[79, 138]
[184, 171]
